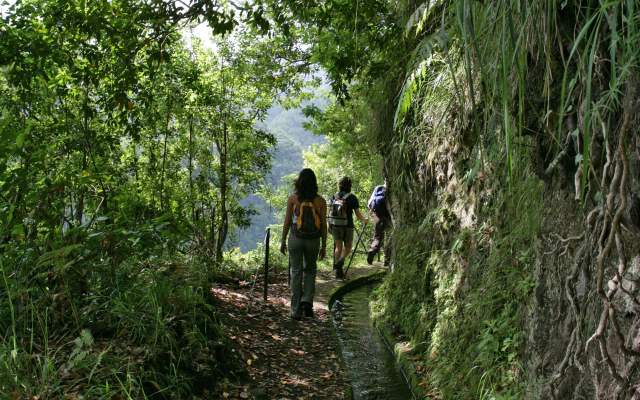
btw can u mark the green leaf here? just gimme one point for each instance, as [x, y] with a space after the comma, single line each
[20, 139]
[86, 337]
[22, 136]
[18, 230]
[57, 255]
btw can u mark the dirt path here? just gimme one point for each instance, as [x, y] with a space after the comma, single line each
[285, 359]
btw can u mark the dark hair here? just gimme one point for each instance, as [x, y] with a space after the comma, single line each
[345, 184]
[306, 185]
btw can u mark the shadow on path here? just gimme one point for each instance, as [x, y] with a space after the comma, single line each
[284, 359]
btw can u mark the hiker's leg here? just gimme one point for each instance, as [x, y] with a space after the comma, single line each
[378, 234]
[338, 251]
[296, 254]
[311, 250]
[378, 237]
[348, 243]
[347, 250]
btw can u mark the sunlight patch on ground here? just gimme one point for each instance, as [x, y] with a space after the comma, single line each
[224, 293]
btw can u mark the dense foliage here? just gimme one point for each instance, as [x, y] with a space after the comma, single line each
[126, 156]
[125, 153]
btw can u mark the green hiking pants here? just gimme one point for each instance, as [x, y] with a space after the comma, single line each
[303, 256]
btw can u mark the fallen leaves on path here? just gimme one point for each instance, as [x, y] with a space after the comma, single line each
[285, 359]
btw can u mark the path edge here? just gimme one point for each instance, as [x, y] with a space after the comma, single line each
[402, 352]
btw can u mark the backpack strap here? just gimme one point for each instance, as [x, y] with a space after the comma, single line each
[346, 196]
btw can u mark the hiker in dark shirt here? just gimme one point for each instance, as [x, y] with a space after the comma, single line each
[343, 205]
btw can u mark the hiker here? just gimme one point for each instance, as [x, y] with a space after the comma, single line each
[382, 221]
[343, 205]
[307, 218]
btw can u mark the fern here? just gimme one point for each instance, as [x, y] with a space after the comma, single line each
[418, 67]
[422, 17]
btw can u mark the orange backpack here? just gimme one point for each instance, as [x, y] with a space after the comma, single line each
[306, 221]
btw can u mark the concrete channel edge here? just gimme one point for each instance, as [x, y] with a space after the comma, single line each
[400, 350]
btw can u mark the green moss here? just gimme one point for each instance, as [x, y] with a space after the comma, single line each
[458, 293]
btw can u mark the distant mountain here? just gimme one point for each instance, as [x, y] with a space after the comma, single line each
[293, 139]
[287, 125]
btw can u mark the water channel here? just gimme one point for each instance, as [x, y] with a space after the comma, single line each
[370, 364]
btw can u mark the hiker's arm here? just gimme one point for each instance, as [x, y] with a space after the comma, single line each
[285, 227]
[323, 229]
[360, 216]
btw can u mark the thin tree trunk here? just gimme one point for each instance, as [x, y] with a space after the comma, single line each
[224, 213]
[79, 209]
[212, 236]
[223, 228]
[85, 131]
[135, 161]
[190, 168]
[164, 160]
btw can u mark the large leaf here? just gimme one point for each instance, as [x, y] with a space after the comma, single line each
[56, 256]
[422, 17]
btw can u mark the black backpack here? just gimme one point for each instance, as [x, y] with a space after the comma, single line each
[306, 221]
[338, 210]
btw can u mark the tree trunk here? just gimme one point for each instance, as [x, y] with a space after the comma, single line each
[79, 209]
[164, 160]
[190, 168]
[223, 228]
[212, 235]
[87, 148]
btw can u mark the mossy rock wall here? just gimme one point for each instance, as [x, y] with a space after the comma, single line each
[486, 249]
[463, 256]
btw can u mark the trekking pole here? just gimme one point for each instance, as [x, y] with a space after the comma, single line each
[353, 253]
[267, 238]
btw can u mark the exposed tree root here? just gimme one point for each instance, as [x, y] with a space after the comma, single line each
[604, 252]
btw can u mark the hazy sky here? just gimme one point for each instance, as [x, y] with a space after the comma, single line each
[4, 6]
[201, 31]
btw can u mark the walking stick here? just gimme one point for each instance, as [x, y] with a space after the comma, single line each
[353, 253]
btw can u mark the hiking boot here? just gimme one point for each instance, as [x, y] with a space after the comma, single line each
[297, 314]
[339, 273]
[307, 309]
[370, 255]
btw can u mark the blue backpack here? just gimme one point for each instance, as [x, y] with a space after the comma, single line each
[377, 199]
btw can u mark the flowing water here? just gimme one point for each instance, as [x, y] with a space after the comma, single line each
[370, 364]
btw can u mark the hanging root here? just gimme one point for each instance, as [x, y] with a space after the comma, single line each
[603, 242]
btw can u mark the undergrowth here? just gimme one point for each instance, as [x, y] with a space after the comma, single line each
[78, 323]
